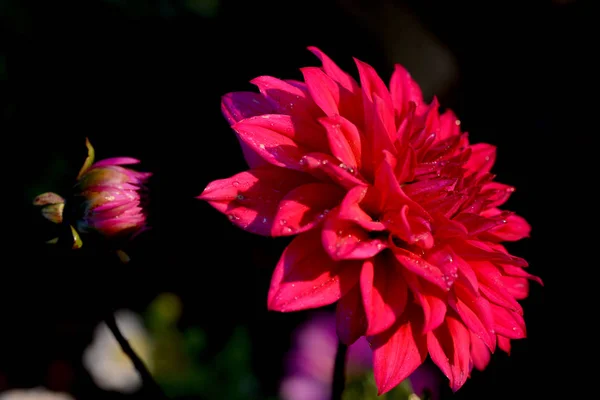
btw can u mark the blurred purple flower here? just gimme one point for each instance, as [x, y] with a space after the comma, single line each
[311, 361]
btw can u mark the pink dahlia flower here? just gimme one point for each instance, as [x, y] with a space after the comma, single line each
[107, 199]
[396, 214]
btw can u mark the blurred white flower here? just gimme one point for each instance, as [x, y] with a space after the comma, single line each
[38, 393]
[108, 365]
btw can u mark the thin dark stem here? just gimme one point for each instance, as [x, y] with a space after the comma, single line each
[339, 376]
[139, 365]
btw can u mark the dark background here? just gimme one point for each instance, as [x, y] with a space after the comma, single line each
[144, 79]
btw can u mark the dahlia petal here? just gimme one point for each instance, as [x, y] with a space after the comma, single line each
[466, 274]
[335, 72]
[422, 268]
[305, 277]
[305, 132]
[513, 271]
[48, 198]
[345, 240]
[492, 287]
[251, 198]
[431, 123]
[304, 207]
[410, 229]
[382, 130]
[237, 106]
[429, 188]
[396, 354]
[480, 354]
[444, 147]
[517, 287]
[431, 299]
[449, 348]
[384, 295]
[351, 321]
[272, 146]
[508, 323]
[115, 161]
[496, 194]
[403, 91]
[473, 250]
[326, 167]
[351, 210]
[323, 90]
[475, 313]
[482, 158]
[287, 98]
[392, 192]
[344, 140]
[406, 167]
[443, 258]
[446, 228]
[449, 126]
[504, 344]
[515, 228]
[477, 224]
[372, 86]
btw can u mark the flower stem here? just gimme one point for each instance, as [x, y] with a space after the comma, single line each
[339, 377]
[139, 365]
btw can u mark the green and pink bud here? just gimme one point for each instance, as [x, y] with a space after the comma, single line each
[108, 198]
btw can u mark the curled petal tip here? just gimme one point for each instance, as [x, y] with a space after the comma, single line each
[47, 198]
[123, 256]
[54, 212]
[77, 242]
[89, 159]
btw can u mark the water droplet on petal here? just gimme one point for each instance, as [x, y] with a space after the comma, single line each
[283, 221]
[236, 183]
[240, 197]
[262, 146]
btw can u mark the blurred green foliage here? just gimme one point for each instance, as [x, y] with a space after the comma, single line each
[364, 388]
[178, 364]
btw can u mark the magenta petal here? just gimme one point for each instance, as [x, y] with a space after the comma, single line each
[476, 314]
[323, 90]
[449, 348]
[384, 294]
[344, 140]
[344, 240]
[304, 207]
[327, 167]
[504, 344]
[482, 158]
[287, 98]
[515, 228]
[351, 321]
[403, 90]
[396, 354]
[422, 268]
[508, 323]
[350, 210]
[305, 132]
[335, 72]
[237, 106]
[431, 299]
[480, 353]
[272, 146]
[250, 199]
[305, 277]
[115, 161]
